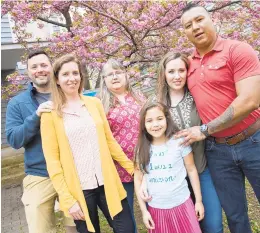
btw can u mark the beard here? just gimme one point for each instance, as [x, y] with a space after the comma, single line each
[41, 82]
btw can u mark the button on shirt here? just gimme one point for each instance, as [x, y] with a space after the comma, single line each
[166, 178]
[123, 119]
[81, 131]
[212, 79]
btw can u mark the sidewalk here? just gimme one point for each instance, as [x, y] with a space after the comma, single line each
[12, 209]
[9, 151]
[13, 215]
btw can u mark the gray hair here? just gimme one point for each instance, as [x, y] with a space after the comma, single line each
[106, 96]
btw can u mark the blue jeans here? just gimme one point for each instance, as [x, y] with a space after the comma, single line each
[95, 198]
[212, 222]
[229, 165]
[129, 188]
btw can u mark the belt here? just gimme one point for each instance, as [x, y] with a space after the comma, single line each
[237, 138]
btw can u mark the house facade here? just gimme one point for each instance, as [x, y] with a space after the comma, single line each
[11, 52]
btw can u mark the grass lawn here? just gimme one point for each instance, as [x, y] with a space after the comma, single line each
[253, 209]
[12, 173]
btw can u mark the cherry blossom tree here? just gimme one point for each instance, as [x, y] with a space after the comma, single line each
[136, 32]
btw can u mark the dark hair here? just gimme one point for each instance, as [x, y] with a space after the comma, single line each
[163, 92]
[142, 151]
[37, 52]
[190, 6]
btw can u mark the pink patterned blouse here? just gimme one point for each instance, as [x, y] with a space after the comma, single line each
[124, 123]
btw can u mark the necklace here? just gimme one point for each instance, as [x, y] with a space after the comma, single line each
[74, 107]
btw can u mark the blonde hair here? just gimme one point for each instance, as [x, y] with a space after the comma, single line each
[106, 96]
[163, 94]
[58, 96]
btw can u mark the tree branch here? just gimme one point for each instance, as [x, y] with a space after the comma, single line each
[158, 20]
[66, 15]
[108, 34]
[228, 4]
[212, 10]
[68, 20]
[113, 19]
[143, 61]
[115, 51]
[153, 47]
[52, 22]
[65, 12]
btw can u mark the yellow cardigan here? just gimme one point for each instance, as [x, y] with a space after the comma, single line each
[61, 167]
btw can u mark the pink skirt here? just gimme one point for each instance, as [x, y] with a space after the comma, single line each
[179, 219]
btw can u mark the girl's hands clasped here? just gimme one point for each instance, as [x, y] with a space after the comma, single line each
[199, 209]
[76, 212]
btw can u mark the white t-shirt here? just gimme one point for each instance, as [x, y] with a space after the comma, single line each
[166, 178]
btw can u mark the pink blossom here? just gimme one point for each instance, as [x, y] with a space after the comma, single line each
[139, 31]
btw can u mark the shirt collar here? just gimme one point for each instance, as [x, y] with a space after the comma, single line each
[116, 100]
[219, 45]
[31, 88]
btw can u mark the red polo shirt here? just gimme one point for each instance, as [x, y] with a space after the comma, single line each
[212, 78]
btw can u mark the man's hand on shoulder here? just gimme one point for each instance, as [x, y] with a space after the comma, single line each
[44, 107]
[190, 135]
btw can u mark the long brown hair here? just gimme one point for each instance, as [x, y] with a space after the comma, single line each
[142, 150]
[106, 96]
[58, 96]
[162, 86]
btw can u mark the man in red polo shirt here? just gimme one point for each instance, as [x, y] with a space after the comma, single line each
[224, 79]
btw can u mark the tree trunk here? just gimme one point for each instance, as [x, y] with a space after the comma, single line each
[85, 75]
[98, 81]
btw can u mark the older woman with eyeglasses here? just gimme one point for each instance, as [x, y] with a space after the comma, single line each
[122, 106]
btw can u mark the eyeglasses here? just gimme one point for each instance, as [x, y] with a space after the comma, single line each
[116, 73]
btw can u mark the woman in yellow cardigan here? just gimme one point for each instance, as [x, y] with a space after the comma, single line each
[79, 149]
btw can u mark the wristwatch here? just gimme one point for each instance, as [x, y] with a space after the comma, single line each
[204, 130]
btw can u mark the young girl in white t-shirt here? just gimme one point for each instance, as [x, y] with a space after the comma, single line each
[164, 164]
